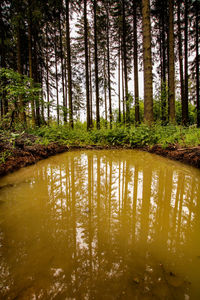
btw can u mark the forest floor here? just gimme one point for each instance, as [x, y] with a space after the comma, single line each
[20, 150]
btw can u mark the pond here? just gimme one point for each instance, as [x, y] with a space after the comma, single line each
[109, 224]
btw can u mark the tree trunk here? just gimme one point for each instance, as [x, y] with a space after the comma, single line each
[163, 66]
[96, 65]
[180, 54]
[47, 86]
[171, 64]
[108, 62]
[69, 67]
[148, 78]
[30, 57]
[197, 66]
[136, 81]
[35, 75]
[90, 86]
[119, 85]
[22, 115]
[62, 70]
[125, 63]
[105, 91]
[123, 95]
[4, 101]
[185, 106]
[87, 66]
[56, 69]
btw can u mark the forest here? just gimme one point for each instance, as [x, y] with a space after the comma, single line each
[66, 61]
[106, 72]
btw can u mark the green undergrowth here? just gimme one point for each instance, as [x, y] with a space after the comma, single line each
[120, 136]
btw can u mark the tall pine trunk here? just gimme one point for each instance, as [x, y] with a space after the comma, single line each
[185, 104]
[135, 50]
[197, 65]
[96, 65]
[108, 66]
[90, 85]
[62, 69]
[105, 91]
[69, 67]
[123, 95]
[180, 55]
[30, 57]
[56, 78]
[47, 84]
[22, 115]
[148, 78]
[171, 64]
[87, 66]
[125, 63]
[119, 85]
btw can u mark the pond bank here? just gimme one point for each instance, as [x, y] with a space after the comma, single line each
[18, 152]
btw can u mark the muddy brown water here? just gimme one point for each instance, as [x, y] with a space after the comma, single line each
[113, 224]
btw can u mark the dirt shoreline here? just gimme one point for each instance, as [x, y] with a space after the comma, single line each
[22, 155]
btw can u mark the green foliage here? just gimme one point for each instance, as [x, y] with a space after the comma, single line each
[120, 136]
[12, 87]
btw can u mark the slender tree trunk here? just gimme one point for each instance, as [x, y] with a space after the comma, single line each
[96, 65]
[171, 64]
[123, 95]
[136, 81]
[119, 85]
[30, 57]
[47, 86]
[87, 66]
[36, 74]
[180, 54]
[65, 79]
[197, 66]
[22, 115]
[56, 69]
[105, 92]
[69, 67]
[163, 67]
[125, 63]
[148, 78]
[108, 62]
[185, 107]
[4, 101]
[42, 93]
[90, 86]
[62, 70]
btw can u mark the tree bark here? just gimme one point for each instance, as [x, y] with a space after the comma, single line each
[197, 66]
[148, 78]
[125, 63]
[108, 66]
[171, 64]
[87, 66]
[180, 54]
[69, 67]
[62, 70]
[185, 106]
[135, 49]
[30, 57]
[22, 115]
[119, 85]
[96, 65]
[57, 94]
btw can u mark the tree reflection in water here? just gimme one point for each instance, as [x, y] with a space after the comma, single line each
[102, 225]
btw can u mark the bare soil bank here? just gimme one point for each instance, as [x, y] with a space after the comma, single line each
[22, 154]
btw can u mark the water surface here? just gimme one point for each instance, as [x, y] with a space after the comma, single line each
[119, 224]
